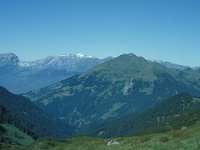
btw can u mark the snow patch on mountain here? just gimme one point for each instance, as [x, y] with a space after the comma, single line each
[171, 65]
[21, 76]
[58, 62]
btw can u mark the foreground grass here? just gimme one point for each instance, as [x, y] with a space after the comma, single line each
[185, 139]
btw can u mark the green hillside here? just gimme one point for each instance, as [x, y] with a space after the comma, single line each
[172, 113]
[12, 135]
[184, 139]
[187, 137]
[22, 113]
[114, 89]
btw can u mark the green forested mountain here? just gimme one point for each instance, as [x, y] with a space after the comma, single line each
[113, 89]
[22, 113]
[172, 113]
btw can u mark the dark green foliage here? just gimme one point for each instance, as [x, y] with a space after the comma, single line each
[20, 112]
[167, 115]
[185, 120]
[5, 116]
[164, 139]
[2, 130]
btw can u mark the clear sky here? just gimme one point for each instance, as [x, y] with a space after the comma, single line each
[155, 29]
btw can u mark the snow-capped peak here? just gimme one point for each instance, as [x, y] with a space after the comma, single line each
[81, 55]
[8, 56]
[78, 55]
[171, 65]
[157, 61]
[8, 59]
[60, 61]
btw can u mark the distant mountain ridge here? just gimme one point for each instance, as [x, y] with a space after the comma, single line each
[172, 65]
[21, 76]
[67, 62]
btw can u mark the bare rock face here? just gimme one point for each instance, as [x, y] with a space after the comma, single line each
[112, 142]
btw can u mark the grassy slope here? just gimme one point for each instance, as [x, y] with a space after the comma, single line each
[16, 136]
[184, 139]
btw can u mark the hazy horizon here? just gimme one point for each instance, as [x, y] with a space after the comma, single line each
[156, 30]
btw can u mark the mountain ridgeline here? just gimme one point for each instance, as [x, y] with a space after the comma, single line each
[22, 113]
[118, 87]
[22, 76]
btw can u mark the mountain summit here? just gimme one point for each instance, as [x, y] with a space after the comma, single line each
[8, 59]
[113, 89]
[81, 55]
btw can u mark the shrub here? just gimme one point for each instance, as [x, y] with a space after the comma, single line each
[164, 139]
[144, 138]
[180, 134]
[45, 145]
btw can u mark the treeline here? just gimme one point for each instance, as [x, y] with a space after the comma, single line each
[7, 118]
[4, 117]
[30, 119]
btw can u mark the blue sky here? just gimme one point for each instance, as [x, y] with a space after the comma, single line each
[155, 29]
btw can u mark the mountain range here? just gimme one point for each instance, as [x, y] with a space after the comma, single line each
[22, 76]
[123, 96]
[174, 66]
[116, 88]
